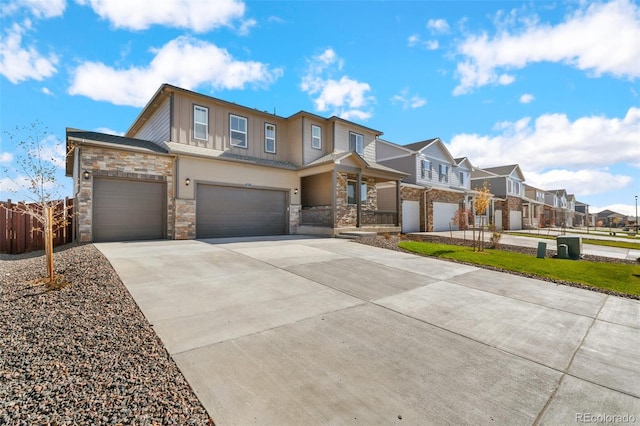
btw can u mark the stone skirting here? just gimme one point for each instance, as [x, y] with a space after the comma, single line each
[185, 228]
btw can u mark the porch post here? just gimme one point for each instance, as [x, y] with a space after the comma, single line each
[397, 203]
[359, 200]
[334, 182]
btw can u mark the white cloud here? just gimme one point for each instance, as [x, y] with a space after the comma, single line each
[6, 157]
[246, 26]
[192, 15]
[46, 91]
[344, 96]
[553, 148]
[408, 101]
[598, 38]
[184, 61]
[527, 98]
[581, 182]
[39, 8]
[438, 26]
[415, 40]
[109, 131]
[626, 209]
[19, 62]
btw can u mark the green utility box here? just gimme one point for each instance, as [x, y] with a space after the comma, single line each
[542, 249]
[573, 243]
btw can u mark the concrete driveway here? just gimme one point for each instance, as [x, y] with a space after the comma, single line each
[298, 330]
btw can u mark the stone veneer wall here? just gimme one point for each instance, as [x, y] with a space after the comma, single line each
[185, 219]
[439, 196]
[106, 162]
[346, 214]
[294, 217]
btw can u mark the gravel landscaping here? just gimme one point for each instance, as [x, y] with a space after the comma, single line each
[83, 354]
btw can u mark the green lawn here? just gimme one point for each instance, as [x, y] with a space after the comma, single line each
[609, 243]
[623, 278]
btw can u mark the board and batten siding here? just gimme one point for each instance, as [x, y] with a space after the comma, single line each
[311, 154]
[342, 140]
[158, 128]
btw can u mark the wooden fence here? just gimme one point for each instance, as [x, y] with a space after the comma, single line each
[21, 233]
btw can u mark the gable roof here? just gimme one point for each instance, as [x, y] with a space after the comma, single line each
[417, 146]
[337, 157]
[505, 171]
[460, 160]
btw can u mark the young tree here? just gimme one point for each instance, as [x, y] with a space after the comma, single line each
[481, 205]
[37, 164]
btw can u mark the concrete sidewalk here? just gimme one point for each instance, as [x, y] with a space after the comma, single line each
[298, 330]
[532, 242]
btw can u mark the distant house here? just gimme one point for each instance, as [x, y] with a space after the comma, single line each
[533, 207]
[610, 218]
[506, 183]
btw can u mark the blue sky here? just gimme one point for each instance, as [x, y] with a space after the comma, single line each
[552, 86]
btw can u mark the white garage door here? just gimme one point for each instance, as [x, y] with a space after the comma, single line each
[410, 216]
[443, 214]
[225, 211]
[515, 220]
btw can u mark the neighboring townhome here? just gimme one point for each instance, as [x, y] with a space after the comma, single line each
[584, 218]
[436, 187]
[560, 210]
[193, 166]
[533, 208]
[506, 183]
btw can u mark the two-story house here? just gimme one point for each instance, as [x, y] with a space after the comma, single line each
[194, 166]
[506, 183]
[533, 207]
[437, 184]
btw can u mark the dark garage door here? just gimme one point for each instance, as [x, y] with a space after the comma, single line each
[223, 211]
[125, 210]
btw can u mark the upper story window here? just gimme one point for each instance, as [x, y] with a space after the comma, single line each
[425, 169]
[270, 138]
[513, 187]
[316, 137]
[238, 131]
[200, 122]
[352, 185]
[539, 196]
[443, 176]
[462, 178]
[356, 142]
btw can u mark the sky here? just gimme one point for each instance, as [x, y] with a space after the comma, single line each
[551, 86]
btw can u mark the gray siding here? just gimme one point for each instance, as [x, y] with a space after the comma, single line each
[404, 164]
[385, 151]
[157, 128]
[497, 185]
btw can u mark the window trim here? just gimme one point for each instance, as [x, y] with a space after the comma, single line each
[246, 132]
[443, 177]
[267, 138]
[206, 124]
[462, 176]
[424, 172]
[319, 137]
[361, 152]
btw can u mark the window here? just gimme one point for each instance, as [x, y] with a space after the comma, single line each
[238, 133]
[509, 186]
[444, 173]
[462, 178]
[425, 169]
[356, 142]
[316, 137]
[270, 138]
[200, 122]
[351, 192]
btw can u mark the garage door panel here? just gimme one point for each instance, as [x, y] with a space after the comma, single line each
[125, 210]
[515, 220]
[223, 211]
[443, 214]
[410, 216]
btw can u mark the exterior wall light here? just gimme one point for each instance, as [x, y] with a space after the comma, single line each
[187, 181]
[295, 191]
[86, 175]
